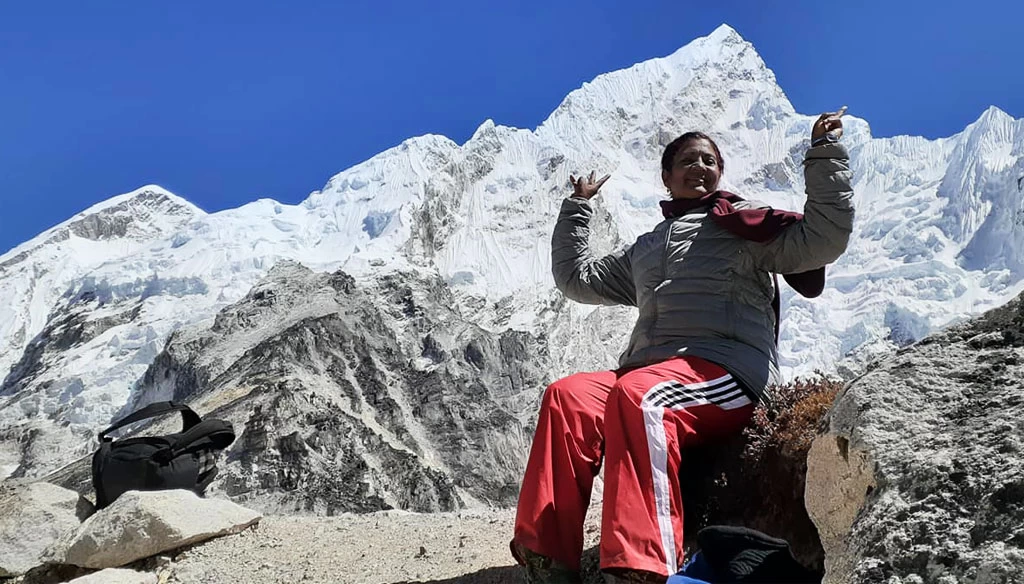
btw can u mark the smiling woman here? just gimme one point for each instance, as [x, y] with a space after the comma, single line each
[701, 355]
[692, 166]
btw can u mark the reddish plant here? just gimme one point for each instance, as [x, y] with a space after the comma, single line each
[757, 479]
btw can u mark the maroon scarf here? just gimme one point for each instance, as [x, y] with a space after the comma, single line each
[760, 225]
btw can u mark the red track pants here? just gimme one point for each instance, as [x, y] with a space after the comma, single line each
[640, 421]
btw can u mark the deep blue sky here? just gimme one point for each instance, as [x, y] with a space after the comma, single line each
[225, 102]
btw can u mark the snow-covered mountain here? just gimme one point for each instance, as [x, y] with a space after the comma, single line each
[90, 303]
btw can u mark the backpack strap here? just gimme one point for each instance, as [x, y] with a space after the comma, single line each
[206, 435]
[189, 418]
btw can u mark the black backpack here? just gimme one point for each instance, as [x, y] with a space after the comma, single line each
[186, 460]
[735, 555]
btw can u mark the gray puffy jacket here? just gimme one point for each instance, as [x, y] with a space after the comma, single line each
[700, 289]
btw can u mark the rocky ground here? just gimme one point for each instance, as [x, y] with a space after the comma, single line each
[384, 547]
[387, 547]
[469, 547]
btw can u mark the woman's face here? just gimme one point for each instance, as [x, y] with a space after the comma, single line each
[695, 171]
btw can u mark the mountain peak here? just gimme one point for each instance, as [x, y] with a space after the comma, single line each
[994, 129]
[727, 50]
[724, 33]
[143, 213]
[156, 207]
[148, 195]
[484, 128]
[711, 83]
[994, 116]
[415, 157]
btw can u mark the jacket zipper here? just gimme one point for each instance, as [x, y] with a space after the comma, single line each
[664, 253]
[660, 285]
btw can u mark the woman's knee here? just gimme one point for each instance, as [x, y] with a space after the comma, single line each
[581, 392]
[627, 393]
[560, 390]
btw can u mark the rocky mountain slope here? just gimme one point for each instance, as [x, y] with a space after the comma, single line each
[355, 397]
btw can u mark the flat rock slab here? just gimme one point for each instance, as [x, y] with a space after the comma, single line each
[142, 524]
[117, 576]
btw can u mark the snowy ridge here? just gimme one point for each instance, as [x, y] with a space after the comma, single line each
[938, 235]
[96, 209]
[33, 275]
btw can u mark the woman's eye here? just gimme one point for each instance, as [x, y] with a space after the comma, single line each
[708, 161]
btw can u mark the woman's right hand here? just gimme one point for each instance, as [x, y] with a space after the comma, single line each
[586, 188]
[828, 123]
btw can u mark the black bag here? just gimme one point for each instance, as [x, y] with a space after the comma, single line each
[152, 463]
[738, 554]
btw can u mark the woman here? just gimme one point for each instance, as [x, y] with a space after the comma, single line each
[701, 355]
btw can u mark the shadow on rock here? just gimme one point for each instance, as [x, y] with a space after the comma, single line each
[591, 574]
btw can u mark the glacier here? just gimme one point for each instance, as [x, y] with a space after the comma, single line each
[90, 303]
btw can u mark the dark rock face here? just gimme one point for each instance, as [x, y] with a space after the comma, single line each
[920, 477]
[351, 397]
[122, 219]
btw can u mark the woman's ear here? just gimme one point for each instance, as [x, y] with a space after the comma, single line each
[665, 177]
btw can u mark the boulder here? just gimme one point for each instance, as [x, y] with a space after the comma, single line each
[117, 576]
[32, 517]
[919, 477]
[142, 524]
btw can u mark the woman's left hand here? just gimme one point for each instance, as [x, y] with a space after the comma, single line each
[828, 122]
[586, 188]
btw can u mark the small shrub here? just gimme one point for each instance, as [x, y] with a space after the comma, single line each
[757, 479]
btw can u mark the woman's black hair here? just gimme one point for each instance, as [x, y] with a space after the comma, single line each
[668, 157]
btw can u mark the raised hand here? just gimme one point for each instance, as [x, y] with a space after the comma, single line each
[828, 122]
[586, 188]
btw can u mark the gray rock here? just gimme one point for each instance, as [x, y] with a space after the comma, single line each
[920, 476]
[142, 524]
[32, 517]
[117, 576]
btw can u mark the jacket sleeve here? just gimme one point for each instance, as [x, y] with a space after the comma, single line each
[581, 277]
[824, 232]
